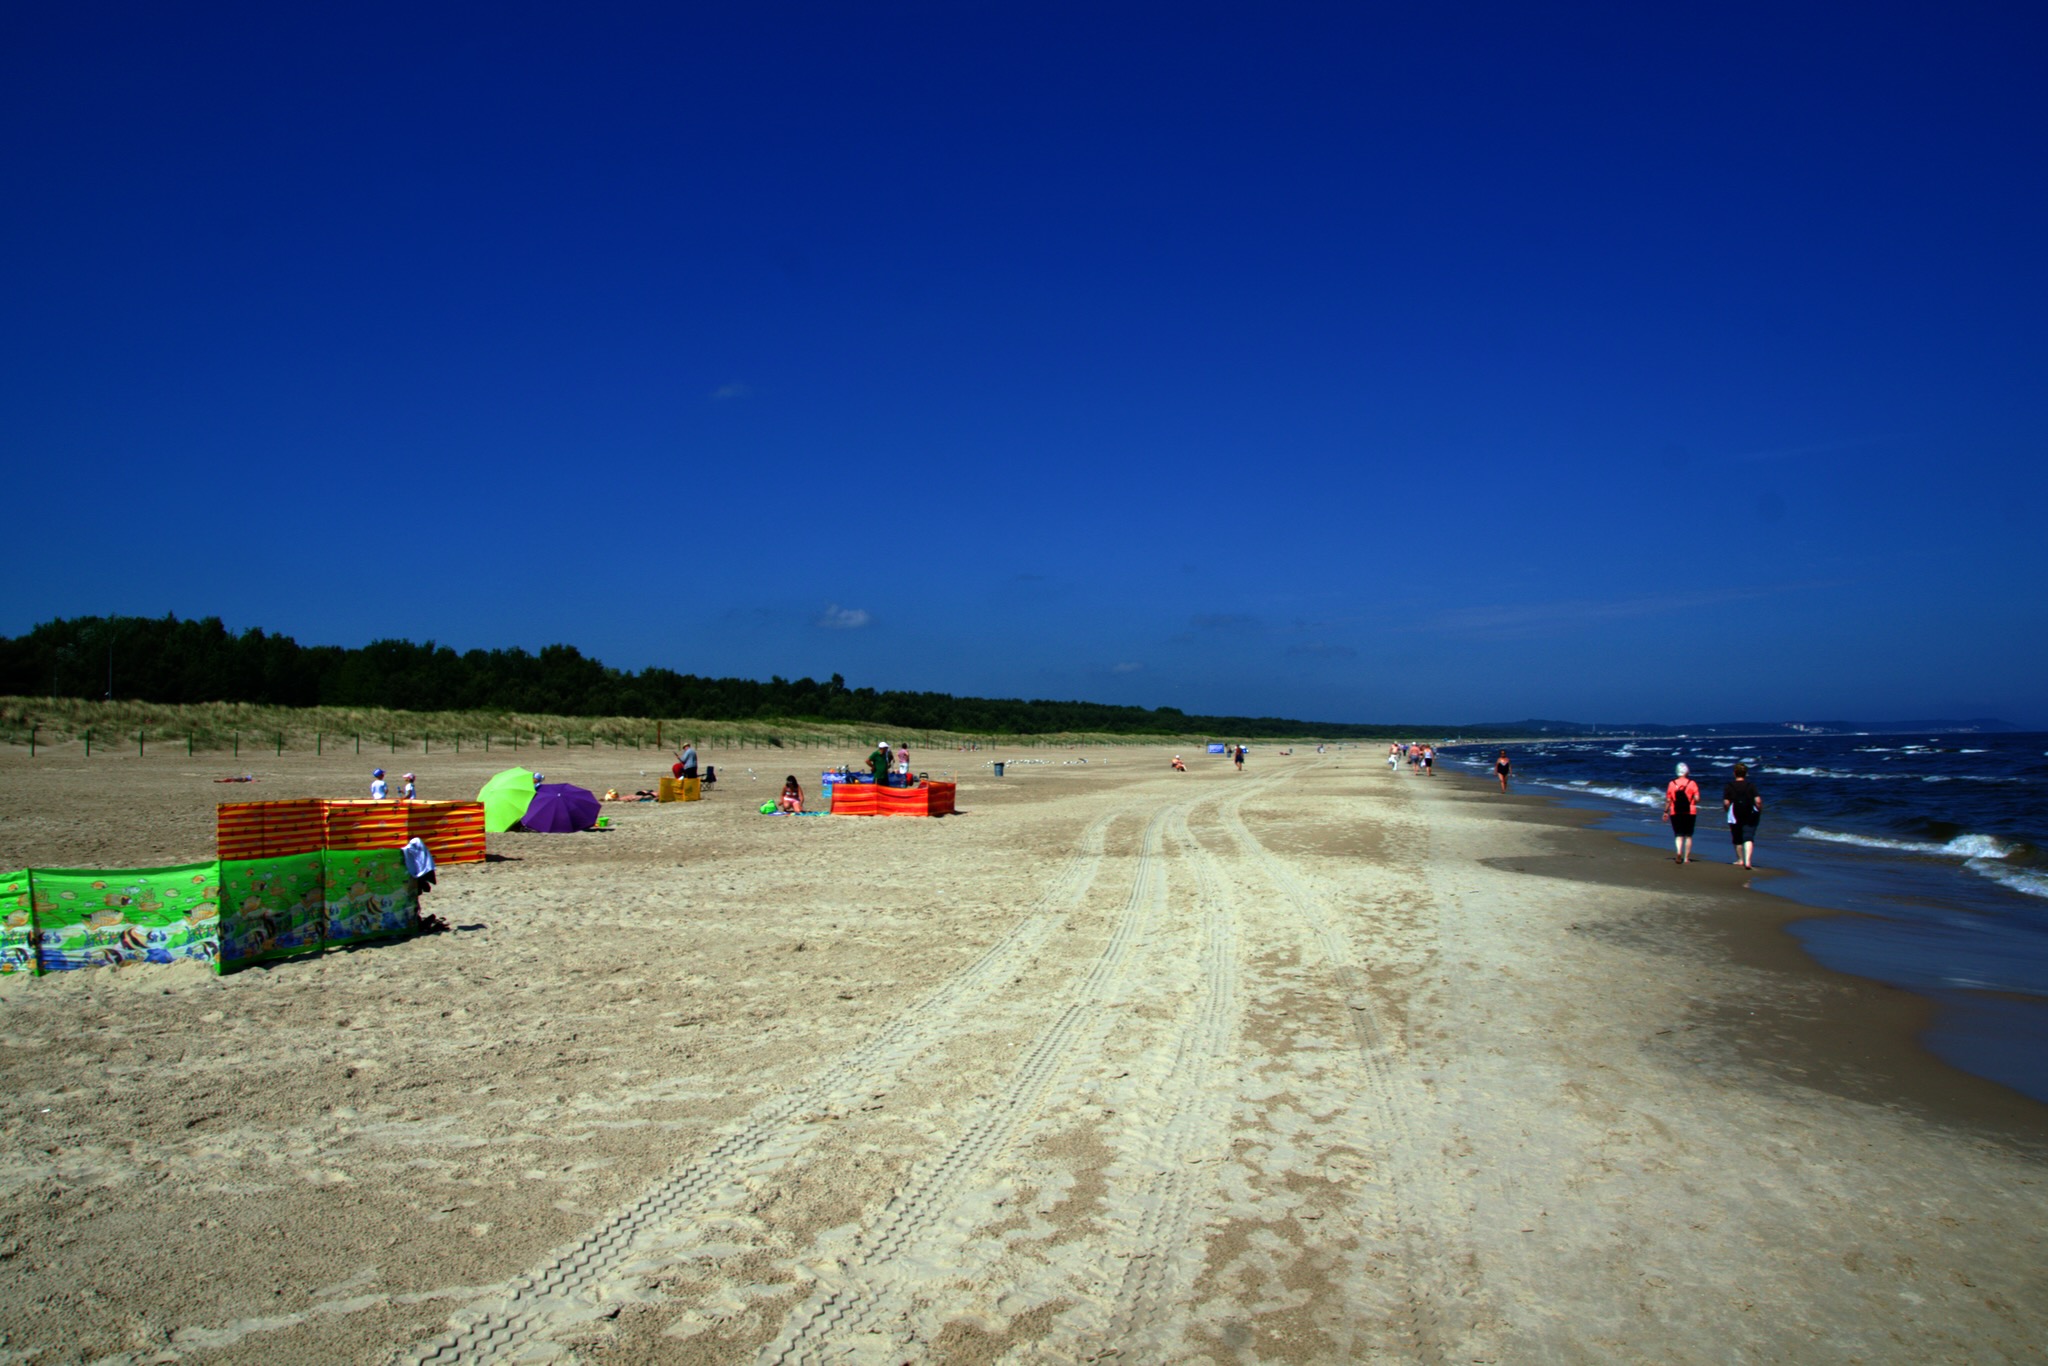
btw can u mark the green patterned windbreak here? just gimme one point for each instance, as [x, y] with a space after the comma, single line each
[86, 918]
[230, 914]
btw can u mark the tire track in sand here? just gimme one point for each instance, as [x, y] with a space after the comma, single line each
[1186, 1126]
[1423, 1286]
[551, 1296]
[870, 1283]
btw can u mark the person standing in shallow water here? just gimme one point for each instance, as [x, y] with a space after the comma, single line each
[1682, 809]
[1745, 807]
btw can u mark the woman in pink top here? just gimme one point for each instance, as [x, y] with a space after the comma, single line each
[1682, 809]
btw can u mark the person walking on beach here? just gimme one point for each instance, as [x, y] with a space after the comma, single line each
[1745, 807]
[1503, 769]
[1240, 758]
[1429, 761]
[1393, 758]
[1682, 809]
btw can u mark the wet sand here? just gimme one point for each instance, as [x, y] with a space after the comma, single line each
[1307, 1063]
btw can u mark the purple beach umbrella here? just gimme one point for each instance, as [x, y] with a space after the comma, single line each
[558, 808]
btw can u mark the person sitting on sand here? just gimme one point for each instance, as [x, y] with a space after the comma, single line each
[1178, 766]
[792, 799]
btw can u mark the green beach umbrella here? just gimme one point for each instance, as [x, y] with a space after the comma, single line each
[506, 797]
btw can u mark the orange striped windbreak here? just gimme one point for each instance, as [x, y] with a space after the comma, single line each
[252, 830]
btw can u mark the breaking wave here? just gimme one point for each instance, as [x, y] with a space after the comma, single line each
[1962, 846]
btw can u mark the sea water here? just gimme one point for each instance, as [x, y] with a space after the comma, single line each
[1937, 846]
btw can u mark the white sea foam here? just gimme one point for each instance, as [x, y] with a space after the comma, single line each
[1799, 772]
[2028, 880]
[1635, 795]
[1972, 847]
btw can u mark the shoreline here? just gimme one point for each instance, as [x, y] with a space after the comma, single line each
[1867, 1045]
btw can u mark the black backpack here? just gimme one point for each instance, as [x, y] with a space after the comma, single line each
[1681, 801]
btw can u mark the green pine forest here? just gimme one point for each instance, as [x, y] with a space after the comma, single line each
[188, 663]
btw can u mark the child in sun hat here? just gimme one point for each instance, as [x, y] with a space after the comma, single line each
[378, 790]
[410, 792]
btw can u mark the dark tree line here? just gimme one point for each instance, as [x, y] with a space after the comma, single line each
[173, 661]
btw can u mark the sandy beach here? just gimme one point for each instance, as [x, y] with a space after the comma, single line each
[1307, 1063]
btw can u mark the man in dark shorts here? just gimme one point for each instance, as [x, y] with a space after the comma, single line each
[1745, 807]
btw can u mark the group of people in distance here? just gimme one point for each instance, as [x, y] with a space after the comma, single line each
[1740, 801]
[1421, 758]
[890, 764]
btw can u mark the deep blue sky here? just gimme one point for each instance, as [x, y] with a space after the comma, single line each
[1352, 362]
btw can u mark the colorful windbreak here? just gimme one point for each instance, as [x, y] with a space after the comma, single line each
[17, 925]
[454, 831]
[87, 918]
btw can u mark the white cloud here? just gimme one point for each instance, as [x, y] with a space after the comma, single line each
[837, 618]
[735, 389]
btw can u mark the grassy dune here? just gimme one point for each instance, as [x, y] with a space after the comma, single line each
[244, 727]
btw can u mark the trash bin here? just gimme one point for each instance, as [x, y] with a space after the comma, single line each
[999, 768]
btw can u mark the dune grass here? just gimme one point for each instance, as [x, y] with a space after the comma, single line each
[247, 728]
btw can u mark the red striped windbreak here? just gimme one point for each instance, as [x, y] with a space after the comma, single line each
[246, 830]
[453, 830]
[864, 799]
[251, 830]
